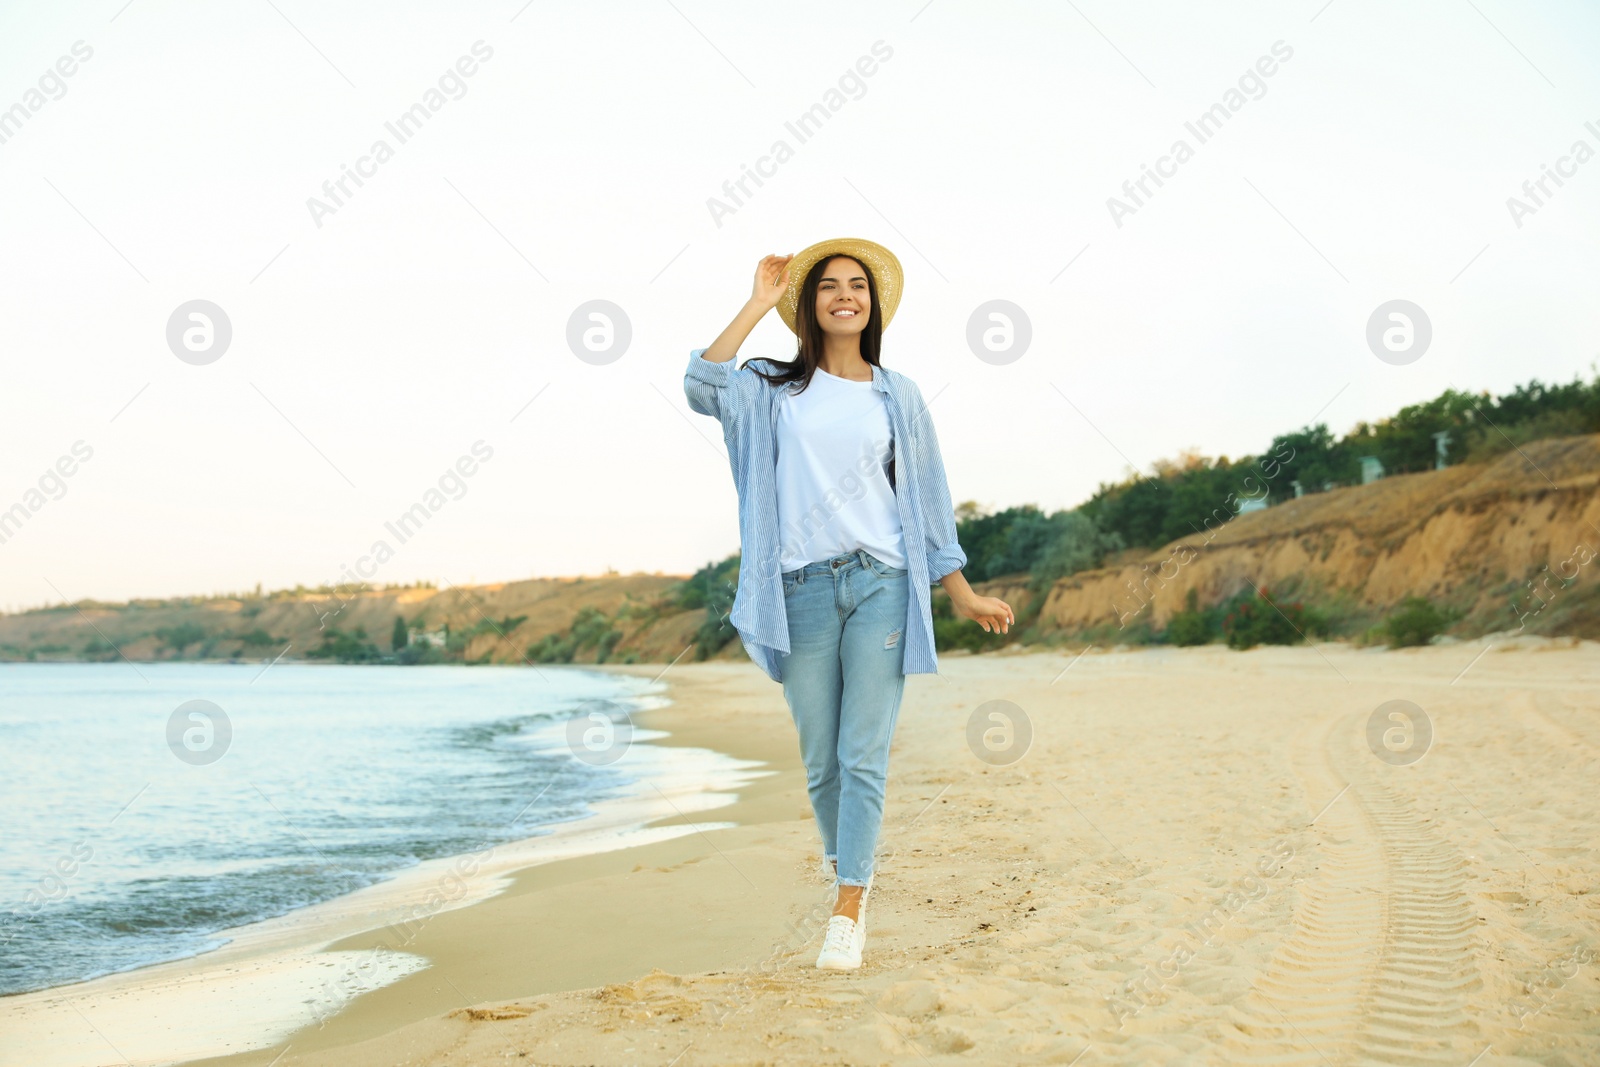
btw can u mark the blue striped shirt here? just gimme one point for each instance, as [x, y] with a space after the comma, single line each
[747, 407]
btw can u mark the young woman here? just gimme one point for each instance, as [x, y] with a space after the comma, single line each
[845, 521]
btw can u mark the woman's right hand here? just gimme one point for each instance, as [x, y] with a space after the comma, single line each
[772, 281]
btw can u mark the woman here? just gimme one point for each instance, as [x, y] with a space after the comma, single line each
[845, 521]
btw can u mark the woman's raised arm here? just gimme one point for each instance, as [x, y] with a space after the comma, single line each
[711, 383]
[772, 279]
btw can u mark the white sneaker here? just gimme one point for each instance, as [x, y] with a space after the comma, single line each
[846, 937]
[841, 948]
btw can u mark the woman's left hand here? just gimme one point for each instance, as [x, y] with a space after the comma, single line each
[990, 612]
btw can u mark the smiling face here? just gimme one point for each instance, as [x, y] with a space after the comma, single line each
[843, 298]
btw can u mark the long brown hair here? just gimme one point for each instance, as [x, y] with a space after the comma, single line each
[809, 330]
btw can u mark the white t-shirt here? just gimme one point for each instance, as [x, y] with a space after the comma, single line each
[834, 496]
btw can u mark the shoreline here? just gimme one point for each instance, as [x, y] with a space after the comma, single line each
[1225, 810]
[287, 974]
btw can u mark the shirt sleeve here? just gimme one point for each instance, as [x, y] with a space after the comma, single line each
[720, 390]
[945, 554]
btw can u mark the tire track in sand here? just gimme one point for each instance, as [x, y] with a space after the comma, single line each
[1561, 722]
[1380, 959]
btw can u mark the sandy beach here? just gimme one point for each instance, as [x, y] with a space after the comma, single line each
[1161, 856]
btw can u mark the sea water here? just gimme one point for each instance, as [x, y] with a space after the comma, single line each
[127, 838]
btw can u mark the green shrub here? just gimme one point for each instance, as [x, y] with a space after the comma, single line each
[712, 634]
[711, 587]
[456, 641]
[1135, 634]
[590, 629]
[181, 636]
[1416, 622]
[346, 647]
[1074, 542]
[1255, 619]
[1190, 626]
[99, 649]
[419, 653]
[551, 648]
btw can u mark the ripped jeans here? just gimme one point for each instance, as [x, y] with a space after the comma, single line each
[843, 679]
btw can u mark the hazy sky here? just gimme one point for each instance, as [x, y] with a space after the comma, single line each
[573, 153]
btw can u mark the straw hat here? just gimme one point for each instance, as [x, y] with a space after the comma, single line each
[885, 268]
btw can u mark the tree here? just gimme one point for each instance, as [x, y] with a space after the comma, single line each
[1314, 459]
[1136, 511]
[991, 540]
[401, 636]
[1076, 543]
[1404, 442]
[1204, 497]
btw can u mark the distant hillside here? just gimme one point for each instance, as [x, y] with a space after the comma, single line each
[1475, 537]
[499, 623]
[1493, 541]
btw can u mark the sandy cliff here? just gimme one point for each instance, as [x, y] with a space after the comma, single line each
[1471, 536]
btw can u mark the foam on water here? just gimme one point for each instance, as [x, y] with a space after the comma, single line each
[117, 854]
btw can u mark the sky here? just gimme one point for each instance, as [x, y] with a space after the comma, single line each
[413, 334]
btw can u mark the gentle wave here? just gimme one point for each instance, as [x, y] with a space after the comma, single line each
[117, 853]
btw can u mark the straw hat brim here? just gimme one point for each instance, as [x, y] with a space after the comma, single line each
[885, 268]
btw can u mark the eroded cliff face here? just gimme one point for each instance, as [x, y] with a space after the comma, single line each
[1471, 534]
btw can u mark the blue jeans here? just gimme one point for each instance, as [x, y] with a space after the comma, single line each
[843, 679]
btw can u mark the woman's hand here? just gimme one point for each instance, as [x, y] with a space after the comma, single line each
[990, 612]
[772, 281]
